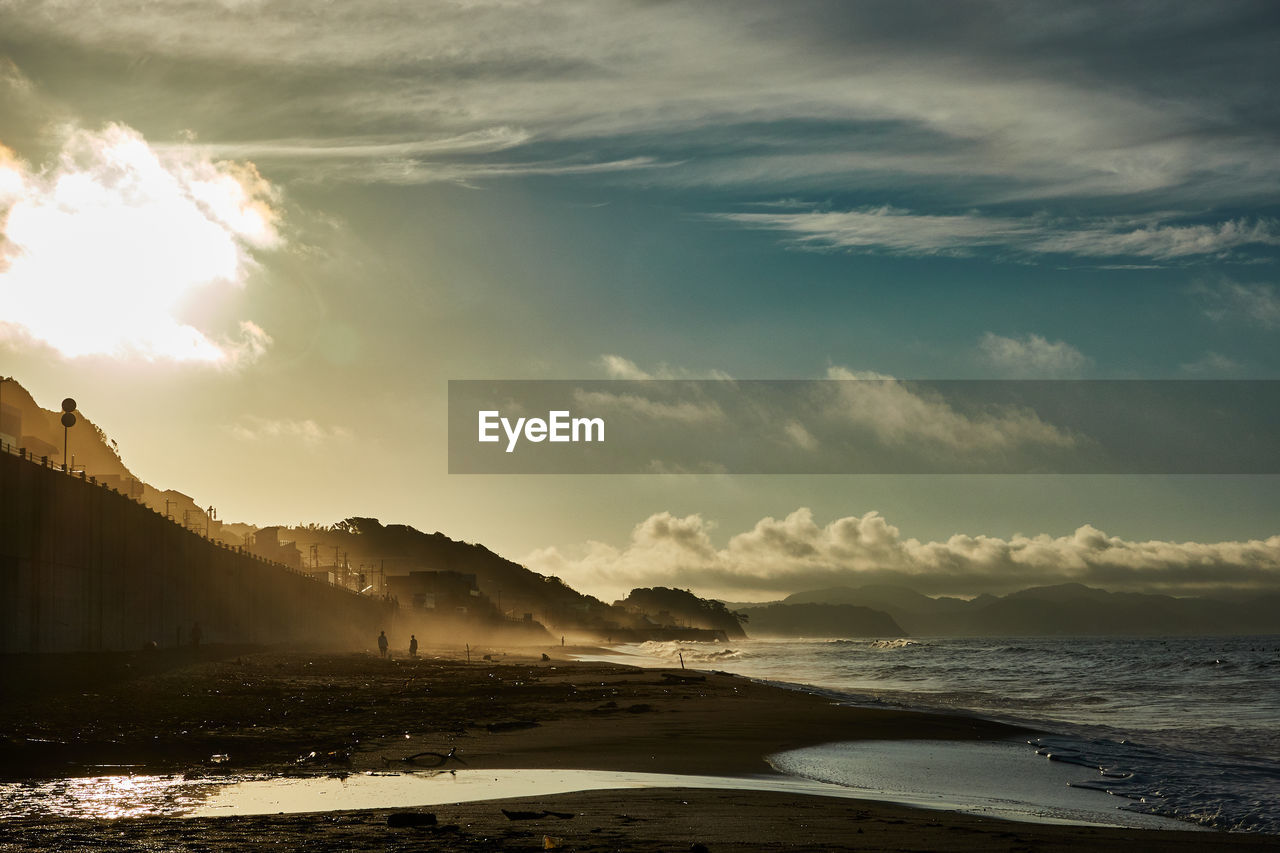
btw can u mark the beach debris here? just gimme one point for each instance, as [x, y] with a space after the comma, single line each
[549, 843]
[401, 819]
[546, 657]
[440, 758]
[515, 814]
[677, 678]
[698, 847]
[337, 756]
[641, 708]
[219, 758]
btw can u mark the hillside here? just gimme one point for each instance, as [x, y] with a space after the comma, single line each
[25, 424]
[680, 606]
[357, 553]
[371, 547]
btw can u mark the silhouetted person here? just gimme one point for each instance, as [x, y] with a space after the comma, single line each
[382, 643]
[413, 646]
[196, 635]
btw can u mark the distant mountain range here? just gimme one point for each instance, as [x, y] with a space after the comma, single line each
[819, 620]
[1062, 610]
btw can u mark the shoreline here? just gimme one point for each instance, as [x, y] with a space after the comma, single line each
[310, 713]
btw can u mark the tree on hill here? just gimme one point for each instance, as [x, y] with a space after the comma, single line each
[683, 605]
[513, 589]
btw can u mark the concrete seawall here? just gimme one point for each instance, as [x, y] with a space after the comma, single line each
[84, 568]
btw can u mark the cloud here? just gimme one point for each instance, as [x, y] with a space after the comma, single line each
[857, 409]
[798, 435]
[982, 98]
[1257, 304]
[1159, 241]
[617, 367]
[107, 250]
[255, 429]
[902, 232]
[849, 418]
[1032, 356]
[1212, 364]
[897, 415]
[794, 553]
[409, 171]
[886, 228]
[680, 411]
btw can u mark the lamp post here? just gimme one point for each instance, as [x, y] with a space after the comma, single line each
[4, 379]
[68, 421]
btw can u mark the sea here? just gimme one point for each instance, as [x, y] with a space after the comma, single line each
[1181, 727]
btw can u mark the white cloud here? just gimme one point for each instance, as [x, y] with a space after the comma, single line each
[617, 367]
[1212, 364]
[104, 250]
[681, 411]
[309, 432]
[889, 229]
[780, 556]
[797, 434]
[897, 231]
[1158, 241]
[1258, 304]
[898, 416]
[1025, 99]
[1032, 356]
[856, 409]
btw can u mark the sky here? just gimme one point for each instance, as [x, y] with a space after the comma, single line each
[256, 238]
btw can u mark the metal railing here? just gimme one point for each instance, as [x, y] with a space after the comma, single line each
[44, 462]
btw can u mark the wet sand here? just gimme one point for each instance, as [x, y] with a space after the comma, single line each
[312, 713]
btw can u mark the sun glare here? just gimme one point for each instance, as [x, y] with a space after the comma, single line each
[100, 250]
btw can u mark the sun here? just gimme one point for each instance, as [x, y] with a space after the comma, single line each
[101, 249]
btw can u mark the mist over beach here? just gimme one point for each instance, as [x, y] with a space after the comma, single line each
[611, 425]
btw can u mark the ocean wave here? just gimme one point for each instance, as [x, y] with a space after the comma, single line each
[1210, 790]
[899, 643]
[1204, 709]
[689, 652]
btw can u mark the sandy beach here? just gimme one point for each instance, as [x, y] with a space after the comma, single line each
[312, 713]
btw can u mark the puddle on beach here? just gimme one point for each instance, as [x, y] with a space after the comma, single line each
[975, 778]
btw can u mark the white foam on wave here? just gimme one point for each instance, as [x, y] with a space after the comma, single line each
[673, 650]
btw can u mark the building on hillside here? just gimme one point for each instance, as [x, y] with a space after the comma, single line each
[441, 591]
[266, 543]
